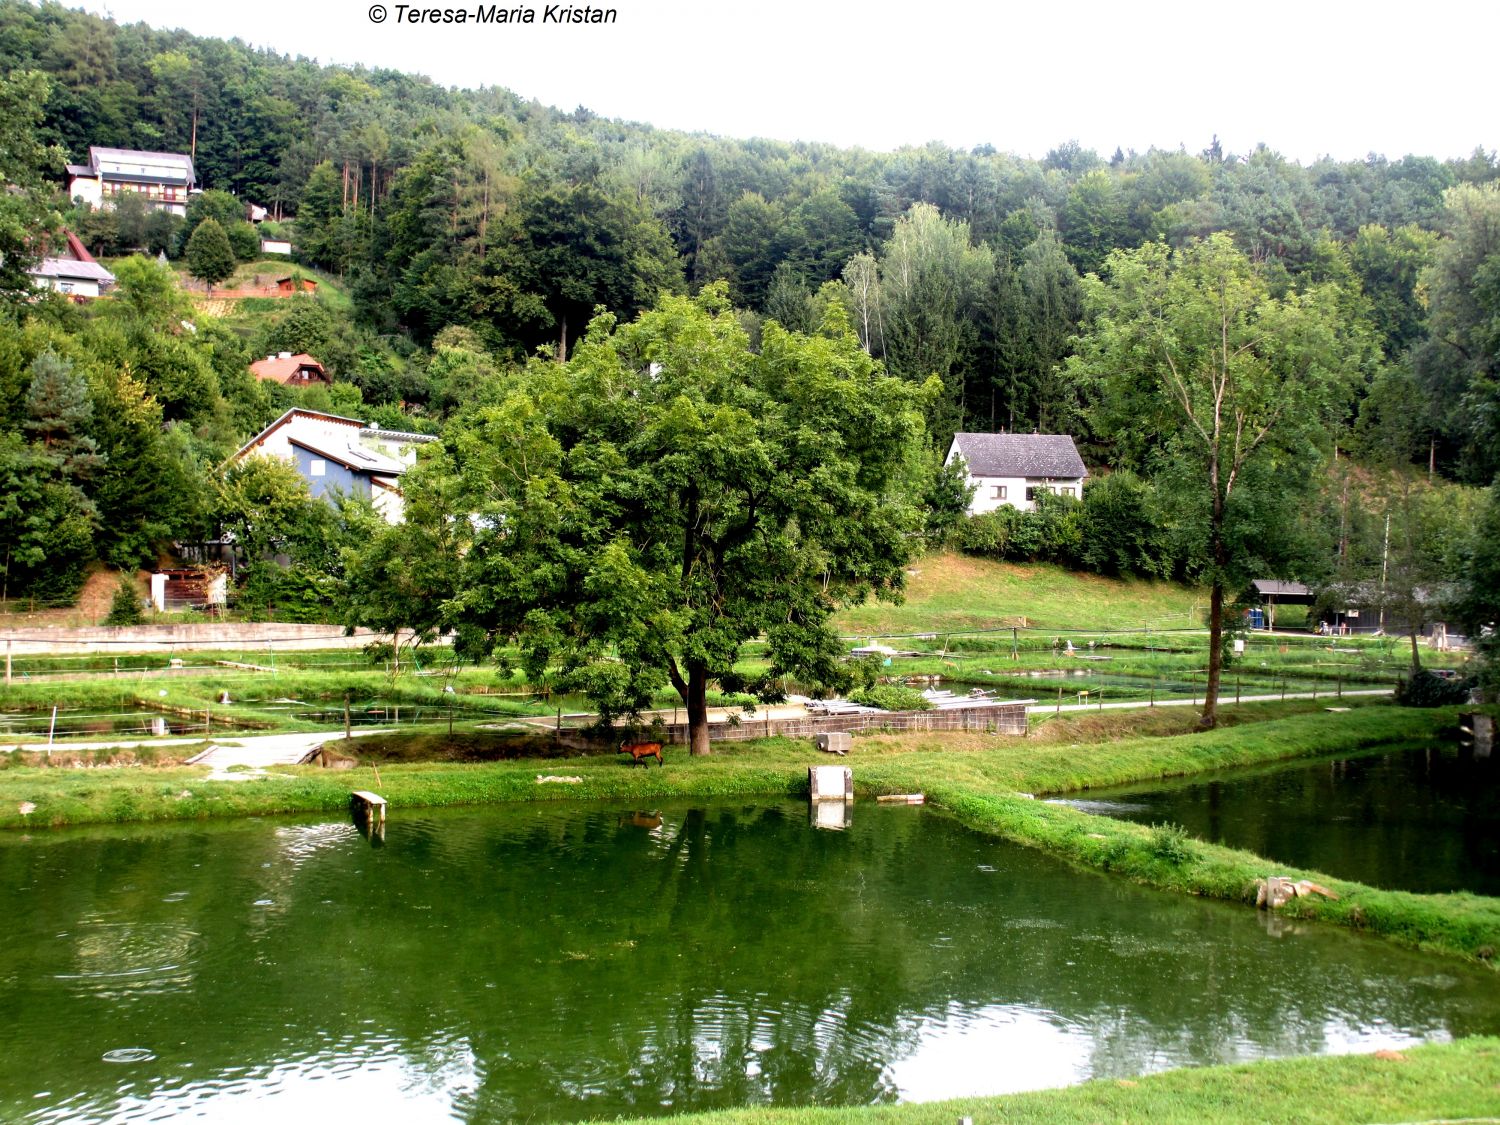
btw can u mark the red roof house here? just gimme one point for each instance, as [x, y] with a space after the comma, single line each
[291, 370]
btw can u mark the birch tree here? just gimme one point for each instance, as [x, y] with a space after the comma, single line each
[1229, 390]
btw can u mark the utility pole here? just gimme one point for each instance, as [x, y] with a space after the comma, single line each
[1385, 560]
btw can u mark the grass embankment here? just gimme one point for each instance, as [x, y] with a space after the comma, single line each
[977, 778]
[1447, 1081]
[948, 591]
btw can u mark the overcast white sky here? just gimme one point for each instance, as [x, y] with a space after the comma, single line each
[1308, 78]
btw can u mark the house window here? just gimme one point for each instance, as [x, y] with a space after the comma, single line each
[318, 468]
[1065, 492]
[999, 493]
[1030, 495]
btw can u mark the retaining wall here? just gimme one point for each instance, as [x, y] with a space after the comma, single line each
[274, 636]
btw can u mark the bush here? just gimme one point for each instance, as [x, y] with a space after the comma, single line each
[1424, 689]
[891, 697]
[244, 240]
[1121, 534]
[987, 534]
[125, 607]
[1170, 843]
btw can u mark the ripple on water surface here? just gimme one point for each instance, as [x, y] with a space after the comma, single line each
[121, 958]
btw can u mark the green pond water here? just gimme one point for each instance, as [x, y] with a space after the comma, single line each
[559, 961]
[1424, 817]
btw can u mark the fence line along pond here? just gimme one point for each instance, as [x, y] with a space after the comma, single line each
[555, 962]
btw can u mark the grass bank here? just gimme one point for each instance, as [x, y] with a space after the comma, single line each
[1447, 1081]
[976, 778]
[949, 591]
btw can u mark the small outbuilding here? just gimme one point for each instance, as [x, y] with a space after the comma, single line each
[296, 284]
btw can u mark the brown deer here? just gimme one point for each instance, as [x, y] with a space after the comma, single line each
[639, 750]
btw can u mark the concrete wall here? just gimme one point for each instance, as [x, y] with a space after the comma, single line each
[269, 635]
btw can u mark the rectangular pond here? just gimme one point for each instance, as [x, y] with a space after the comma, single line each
[1422, 817]
[554, 962]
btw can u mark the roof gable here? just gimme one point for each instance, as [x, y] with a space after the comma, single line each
[1020, 455]
[283, 367]
[286, 419]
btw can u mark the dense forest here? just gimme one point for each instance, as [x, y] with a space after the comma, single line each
[475, 232]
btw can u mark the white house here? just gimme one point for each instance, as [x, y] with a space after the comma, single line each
[73, 272]
[1012, 468]
[333, 453]
[164, 180]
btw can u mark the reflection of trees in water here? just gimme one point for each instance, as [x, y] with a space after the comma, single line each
[1421, 818]
[591, 966]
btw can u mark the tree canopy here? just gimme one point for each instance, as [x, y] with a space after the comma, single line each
[1227, 391]
[670, 494]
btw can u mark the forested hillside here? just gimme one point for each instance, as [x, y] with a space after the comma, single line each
[471, 229]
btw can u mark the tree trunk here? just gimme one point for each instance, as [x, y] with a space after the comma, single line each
[562, 340]
[697, 711]
[1210, 717]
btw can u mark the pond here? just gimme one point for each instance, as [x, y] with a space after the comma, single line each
[71, 722]
[554, 962]
[1419, 818]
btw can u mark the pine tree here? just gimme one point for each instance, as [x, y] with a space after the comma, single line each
[210, 257]
[58, 412]
[125, 607]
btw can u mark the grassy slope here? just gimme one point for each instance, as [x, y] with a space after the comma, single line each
[951, 591]
[1449, 1081]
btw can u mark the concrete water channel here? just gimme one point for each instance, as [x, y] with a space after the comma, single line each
[561, 961]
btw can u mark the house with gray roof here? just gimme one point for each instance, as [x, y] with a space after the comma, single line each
[73, 271]
[164, 181]
[1011, 469]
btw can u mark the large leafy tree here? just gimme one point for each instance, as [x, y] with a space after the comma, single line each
[1459, 364]
[933, 282]
[1478, 604]
[670, 494]
[1230, 388]
[26, 215]
[580, 248]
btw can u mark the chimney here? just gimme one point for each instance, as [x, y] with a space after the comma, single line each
[285, 355]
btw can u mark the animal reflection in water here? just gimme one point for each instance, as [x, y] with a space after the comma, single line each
[640, 750]
[647, 820]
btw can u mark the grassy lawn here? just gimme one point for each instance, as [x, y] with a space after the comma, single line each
[948, 591]
[1439, 1082]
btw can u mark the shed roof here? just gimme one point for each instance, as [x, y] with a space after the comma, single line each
[1020, 455]
[1275, 588]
